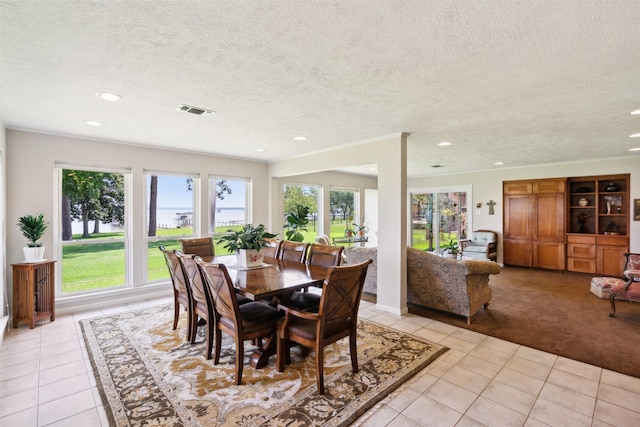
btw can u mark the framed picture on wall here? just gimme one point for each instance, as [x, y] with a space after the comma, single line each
[636, 209]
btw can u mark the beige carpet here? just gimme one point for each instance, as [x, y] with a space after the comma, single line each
[149, 375]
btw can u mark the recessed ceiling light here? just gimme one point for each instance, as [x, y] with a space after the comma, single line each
[499, 163]
[260, 149]
[109, 96]
[636, 111]
[300, 138]
[634, 149]
[635, 135]
[444, 143]
[94, 123]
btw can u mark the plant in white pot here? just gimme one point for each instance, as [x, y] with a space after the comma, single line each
[246, 243]
[33, 228]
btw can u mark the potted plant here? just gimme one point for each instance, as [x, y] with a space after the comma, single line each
[246, 243]
[348, 232]
[33, 228]
[359, 229]
[451, 250]
[296, 222]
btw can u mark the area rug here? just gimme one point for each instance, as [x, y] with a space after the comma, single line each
[149, 375]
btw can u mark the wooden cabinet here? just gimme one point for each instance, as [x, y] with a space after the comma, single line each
[33, 292]
[534, 223]
[597, 224]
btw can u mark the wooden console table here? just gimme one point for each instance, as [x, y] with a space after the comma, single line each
[33, 292]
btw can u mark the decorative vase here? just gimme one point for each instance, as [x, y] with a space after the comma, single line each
[583, 201]
[249, 258]
[33, 254]
[612, 186]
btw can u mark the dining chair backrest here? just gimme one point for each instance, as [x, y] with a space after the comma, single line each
[175, 271]
[293, 251]
[192, 276]
[341, 294]
[272, 249]
[324, 255]
[220, 288]
[202, 246]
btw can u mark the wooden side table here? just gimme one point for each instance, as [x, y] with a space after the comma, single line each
[33, 292]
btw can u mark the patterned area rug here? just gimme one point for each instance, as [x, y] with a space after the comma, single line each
[149, 375]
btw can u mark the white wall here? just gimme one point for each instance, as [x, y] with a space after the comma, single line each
[30, 159]
[488, 186]
[4, 283]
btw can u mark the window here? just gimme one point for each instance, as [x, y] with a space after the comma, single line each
[229, 205]
[93, 238]
[171, 215]
[306, 195]
[438, 218]
[343, 211]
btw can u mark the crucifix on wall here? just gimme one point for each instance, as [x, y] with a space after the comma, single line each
[491, 204]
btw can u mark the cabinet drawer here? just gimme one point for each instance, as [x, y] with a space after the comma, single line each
[581, 250]
[612, 240]
[581, 265]
[517, 187]
[588, 240]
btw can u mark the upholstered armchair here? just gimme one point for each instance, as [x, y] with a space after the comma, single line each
[628, 288]
[482, 245]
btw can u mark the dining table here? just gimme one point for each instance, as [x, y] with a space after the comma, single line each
[274, 278]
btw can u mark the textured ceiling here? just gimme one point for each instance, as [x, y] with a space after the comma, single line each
[523, 82]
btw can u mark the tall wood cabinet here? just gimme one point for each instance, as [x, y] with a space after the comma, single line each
[598, 224]
[534, 223]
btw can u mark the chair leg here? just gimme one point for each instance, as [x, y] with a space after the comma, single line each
[239, 361]
[280, 353]
[210, 338]
[176, 314]
[353, 349]
[218, 340]
[320, 370]
[613, 305]
[189, 323]
[194, 326]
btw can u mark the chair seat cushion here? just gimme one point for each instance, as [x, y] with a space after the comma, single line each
[305, 301]
[632, 293]
[307, 328]
[471, 248]
[601, 286]
[255, 315]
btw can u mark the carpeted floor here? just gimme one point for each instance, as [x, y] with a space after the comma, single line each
[556, 313]
[148, 375]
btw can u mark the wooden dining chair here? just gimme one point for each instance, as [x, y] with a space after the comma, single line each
[181, 290]
[250, 321]
[293, 251]
[272, 250]
[336, 318]
[202, 307]
[321, 256]
[202, 246]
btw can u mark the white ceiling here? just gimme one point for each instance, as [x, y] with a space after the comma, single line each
[523, 82]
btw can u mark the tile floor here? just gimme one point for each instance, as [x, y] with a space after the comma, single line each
[46, 380]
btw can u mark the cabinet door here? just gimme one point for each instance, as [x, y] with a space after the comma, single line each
[517, 252]
[518, 224]
[610, 261]
[518, 187]
[549, 186]
[548, 255]
[549, 218]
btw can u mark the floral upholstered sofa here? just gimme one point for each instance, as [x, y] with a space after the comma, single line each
[460, 287]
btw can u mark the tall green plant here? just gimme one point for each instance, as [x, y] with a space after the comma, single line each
[33, 228]
[296, 223]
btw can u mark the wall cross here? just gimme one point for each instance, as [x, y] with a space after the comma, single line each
[491, 204]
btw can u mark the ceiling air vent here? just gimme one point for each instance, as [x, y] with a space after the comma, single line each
[437, 166]
[194, 110]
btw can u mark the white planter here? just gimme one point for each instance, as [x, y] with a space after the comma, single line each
[249, 258]
[33, 254]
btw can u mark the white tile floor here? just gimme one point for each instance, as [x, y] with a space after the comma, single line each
[46, 380]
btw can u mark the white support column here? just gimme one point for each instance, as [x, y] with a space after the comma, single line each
[392, 227]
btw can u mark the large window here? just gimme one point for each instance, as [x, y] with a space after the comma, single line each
[306, 195]
[229, 205]
[93, 240]
[171, 215]
[343, 211]
[438, 218]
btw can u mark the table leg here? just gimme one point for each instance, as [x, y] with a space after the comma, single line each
[260, 357]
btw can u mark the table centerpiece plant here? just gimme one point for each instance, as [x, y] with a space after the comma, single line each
[246, 244]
